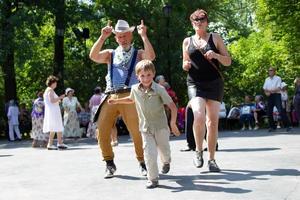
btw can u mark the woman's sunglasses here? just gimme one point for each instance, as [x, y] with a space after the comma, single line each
[200, 19]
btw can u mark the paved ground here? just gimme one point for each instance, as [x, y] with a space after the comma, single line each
[255, 165]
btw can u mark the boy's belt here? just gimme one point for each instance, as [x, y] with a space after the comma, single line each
[119, 91]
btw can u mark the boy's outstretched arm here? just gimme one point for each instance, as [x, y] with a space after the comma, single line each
[124, 100]
[173, 125]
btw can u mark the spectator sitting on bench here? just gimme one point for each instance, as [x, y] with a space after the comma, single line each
[233, 117]
[259, 110]
[247, 113]
[222, 113]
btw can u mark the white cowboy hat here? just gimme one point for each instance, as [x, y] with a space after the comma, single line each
[283, 84]
[122, 27]
[68, 90]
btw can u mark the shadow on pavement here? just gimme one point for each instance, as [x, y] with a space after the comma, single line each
[5, 155]
[245, 175]
[257, 133]
[191, 182]
[207, 181]
[14, 145]
[26, 143]
[214, 182]
[249, 149]
[126, 177]
[199, 183]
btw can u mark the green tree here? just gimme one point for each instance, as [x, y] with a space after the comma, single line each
[8, 23]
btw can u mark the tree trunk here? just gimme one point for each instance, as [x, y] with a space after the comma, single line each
[58, 69]
[7, 52]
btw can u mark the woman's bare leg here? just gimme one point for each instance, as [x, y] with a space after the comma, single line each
[59, 138]
[198, 106]
[212, 122]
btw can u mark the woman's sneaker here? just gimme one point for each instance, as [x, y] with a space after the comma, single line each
[51, 147]
[212, 166]
[198, 159]
[62, 146]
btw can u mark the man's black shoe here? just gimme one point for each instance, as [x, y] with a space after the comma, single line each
[143, 169]
[110, 169]
[187, 149]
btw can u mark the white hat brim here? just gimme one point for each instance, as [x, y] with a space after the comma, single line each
[131, 29]
[69, 90]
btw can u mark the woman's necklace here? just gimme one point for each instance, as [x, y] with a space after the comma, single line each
[200, 42]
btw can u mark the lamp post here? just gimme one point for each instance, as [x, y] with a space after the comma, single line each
[83, 34]
[167, 9]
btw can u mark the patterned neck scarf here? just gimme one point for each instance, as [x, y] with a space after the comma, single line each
[122, 56]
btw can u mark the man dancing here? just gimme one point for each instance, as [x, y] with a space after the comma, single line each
[119, 79]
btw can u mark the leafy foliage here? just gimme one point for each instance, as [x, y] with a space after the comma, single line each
[259, 33]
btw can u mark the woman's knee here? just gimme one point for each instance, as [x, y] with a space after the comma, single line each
[212, 123]
[199, 117]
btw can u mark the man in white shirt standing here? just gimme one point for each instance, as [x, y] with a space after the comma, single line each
[272, 88]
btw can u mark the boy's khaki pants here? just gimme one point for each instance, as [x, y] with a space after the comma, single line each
[153, 141]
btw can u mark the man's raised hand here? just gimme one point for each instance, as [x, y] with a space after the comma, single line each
[142, 29]
[107, 30]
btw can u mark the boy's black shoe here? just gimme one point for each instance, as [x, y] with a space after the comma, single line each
[152, 184]
[165, 168]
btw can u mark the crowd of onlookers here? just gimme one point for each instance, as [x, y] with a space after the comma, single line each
[77, 120]
[252, 114]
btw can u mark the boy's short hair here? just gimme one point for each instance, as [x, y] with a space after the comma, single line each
[145, 65]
